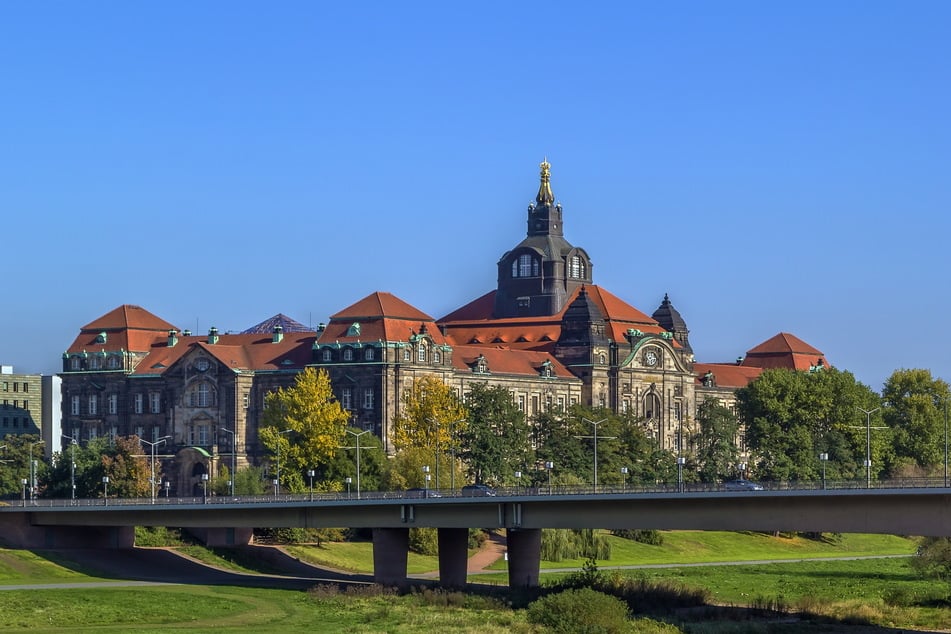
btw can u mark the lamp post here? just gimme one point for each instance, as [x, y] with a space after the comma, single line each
[277, 480]
[167, 485]
[436, 448]
[624, 471]
[33, 469]
[741, 469]
[518, 482]
[72, 466]
[274, 483]
[426, 479]
[105, 490]
[823, 458]
[549, 465]
[310, 476]
[868, 443]
[680, 473]
[348, 480]
[234, 452]
[595, 436]
[357, 447]
[204, 488]
[152, 445]
[24, 482]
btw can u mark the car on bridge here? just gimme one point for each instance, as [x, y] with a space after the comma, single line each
[418, 493]
[742, 485]
[477, 491]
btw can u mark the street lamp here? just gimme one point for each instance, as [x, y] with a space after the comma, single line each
[624, 471]
[204, 488]
[823, 458]
[152, 445]
[234, 452]
[310, 475]
[167, 485]
[105, 490]
[680, 473]
[549, 465]
[741, 468]
[72, 467]
[868, 443]
[277, 480]
[274, 482]
[33, 469]
[518, 482]
[357, 447]
[426, 478]
[24, 482]
[595, 436]
[348, 480]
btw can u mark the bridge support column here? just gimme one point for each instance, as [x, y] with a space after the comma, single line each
[390, 550]
[453, 557]
[525, 555]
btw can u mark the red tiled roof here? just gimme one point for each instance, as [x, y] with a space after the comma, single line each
[784, 351]
[473, 323]
[382, 317]
[129, 328]
[382, 304]
[503, 360]
[238, 352]
[728, 375]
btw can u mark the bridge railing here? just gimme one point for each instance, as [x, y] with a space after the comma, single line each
[435, 496]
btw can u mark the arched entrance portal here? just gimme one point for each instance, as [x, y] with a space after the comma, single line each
[191, 463]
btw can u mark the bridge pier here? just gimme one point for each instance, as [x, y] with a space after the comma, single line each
[453, 557]
[525, 555]
[390, 550]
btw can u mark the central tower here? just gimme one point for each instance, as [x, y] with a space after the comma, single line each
[537, 276]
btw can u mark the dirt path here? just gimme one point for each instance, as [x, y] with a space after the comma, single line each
[492, 550]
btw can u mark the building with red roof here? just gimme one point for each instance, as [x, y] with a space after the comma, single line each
[547, 333]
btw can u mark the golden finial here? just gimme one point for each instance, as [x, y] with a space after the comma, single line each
[545, 196]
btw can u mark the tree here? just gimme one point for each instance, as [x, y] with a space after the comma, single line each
[15, 465]
[913, 405]
[495, 442]
[791, 417]
[303, 426]
[716, 441]
[431, 419]
[127, 468]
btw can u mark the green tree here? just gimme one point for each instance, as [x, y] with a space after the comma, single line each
[791, 417]
[303, 426]
[127, 468]
[496, 441]
[344, 463]
[88, 472]
[913, 405]
[716, 441]
[15, 465]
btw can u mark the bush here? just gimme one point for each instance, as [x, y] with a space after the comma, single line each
[649, 537]
[580, 611]
[157, 536]
[559, 544]
[424, 541]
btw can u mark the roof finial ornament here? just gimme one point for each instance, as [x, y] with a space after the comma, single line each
[545, 196]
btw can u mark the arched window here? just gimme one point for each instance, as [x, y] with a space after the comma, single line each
[421, 353]
[652, 409]
[576, 268]
[347, 354]
[437, 356]
[201, 395]
[525, 266]
[113, 363]
[328, 355]
[369, 354]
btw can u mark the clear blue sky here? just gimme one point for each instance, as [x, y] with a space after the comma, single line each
[773, 166]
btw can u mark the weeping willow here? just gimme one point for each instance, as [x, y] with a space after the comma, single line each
[559, 544]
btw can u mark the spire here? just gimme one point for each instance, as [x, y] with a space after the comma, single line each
[669, 318]
[545, 197]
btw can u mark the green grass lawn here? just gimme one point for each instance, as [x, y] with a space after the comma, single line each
[27, 567]
[355, 557]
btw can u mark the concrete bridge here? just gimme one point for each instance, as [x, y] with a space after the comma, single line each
[229, 521]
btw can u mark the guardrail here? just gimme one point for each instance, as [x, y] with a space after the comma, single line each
[437, 496]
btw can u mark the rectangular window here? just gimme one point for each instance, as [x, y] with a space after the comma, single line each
[155, 402]
[16, 386]
[156, 430]
[75, 434]
[93, 405]
[26, 387]
[521, 402]
[113, 403]
[625, 405]
[203, 435]
[16, 404]
[247, 400]
[345, 398]
[368, 398]
[92, 433]
[534, 405]
[6, 386]
[191, 434]
[113, 432]
[74, 406]
[137, 404]
[561, 403]
[140, 431]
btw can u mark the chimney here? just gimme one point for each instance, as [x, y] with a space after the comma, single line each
[186, 333]
[321, 326]
[278, 335]
[172, 338]
[213, 335]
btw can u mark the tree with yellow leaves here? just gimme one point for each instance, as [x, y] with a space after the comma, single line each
[303, 426]
[431, 419]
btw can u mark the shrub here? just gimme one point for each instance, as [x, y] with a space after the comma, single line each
[559, 544]
[580, 611]
[650, 537]
[424, 541]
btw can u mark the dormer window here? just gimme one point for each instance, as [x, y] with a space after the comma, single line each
[75, 363]
[348, 354]
[101, 337]
[421, 354]
[327, 355]
[368, 354]
[113, 363]
[545, 369]
[406, 354]
[576, 267]
[437, 356]
[525, 266]
[481, 366]
[354, 330]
